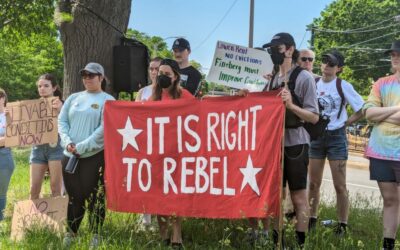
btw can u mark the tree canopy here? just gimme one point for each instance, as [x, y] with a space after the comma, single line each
[361, 30]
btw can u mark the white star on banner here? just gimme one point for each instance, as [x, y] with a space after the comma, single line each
[129, 135]
[249, 176]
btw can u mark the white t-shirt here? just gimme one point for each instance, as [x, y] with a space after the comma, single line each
[3, 124]
[146, 93]
[329, 99]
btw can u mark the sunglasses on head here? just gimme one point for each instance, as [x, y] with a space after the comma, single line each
[305, 59]
[327, 61]
[86, 75]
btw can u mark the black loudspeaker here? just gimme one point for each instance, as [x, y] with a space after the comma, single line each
[130, 67]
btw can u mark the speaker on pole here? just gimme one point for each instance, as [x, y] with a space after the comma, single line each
[131, 61]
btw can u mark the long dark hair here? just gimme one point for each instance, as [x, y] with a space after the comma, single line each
[54, 84]
[175, 92]
[3, 94]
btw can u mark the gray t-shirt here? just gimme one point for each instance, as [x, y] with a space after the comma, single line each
[305, 90]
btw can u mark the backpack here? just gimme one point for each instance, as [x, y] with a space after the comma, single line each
[293, 121]
[318, 129]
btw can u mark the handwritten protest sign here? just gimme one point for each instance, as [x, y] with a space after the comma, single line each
[46, 212]
[215, 158]
[240, 67]
[32, 122]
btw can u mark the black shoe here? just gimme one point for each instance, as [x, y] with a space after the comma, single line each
[290, 216]
[176, 245]
[166, 242]
[275, 237]
[340, 230]
[312, 224]
[252, 237]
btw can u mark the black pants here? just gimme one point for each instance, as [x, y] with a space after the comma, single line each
[86, 185]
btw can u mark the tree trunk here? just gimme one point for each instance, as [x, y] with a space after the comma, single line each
[87, 38]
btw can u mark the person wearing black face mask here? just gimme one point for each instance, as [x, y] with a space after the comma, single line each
[168, 79]
[283, 53]
[168, 88]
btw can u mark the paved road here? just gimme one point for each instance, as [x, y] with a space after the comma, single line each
[362, 190]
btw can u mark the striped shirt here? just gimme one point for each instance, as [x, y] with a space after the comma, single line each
[384, 142]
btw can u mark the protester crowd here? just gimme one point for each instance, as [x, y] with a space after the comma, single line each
[311, 101]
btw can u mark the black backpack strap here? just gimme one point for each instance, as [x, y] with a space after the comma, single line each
[340, 91]
[292, 85]
[268, 87]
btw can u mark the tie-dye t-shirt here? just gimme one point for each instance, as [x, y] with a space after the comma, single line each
[384, 142]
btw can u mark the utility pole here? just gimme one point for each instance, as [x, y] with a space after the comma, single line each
[251, 28]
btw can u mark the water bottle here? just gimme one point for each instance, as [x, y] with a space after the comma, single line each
[327, 223]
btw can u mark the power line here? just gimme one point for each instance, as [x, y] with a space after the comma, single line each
[216, 26]
[99, 17]
[361, 28]
[376, 67]
[356, 32]
[302, 40]
[375, 38]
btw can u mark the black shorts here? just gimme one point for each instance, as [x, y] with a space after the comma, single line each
[384, 170]
[295, 167]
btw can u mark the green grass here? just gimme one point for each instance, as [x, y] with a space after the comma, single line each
[123, 231]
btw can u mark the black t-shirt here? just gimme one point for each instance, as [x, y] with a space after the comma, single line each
[190, 79]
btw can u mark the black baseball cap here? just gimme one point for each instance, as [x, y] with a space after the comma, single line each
[181, 44]
[335, 57]
[172, 63]
[395, 47]
[281, 38]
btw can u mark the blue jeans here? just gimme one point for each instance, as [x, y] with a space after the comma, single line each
[6, 170]
[332, 145]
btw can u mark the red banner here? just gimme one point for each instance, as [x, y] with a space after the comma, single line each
[214, 158]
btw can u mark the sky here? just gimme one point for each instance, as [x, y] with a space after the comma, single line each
[204, 22]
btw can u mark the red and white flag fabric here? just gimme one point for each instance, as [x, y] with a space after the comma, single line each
[218, 157]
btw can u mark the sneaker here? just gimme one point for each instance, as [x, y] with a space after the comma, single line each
[95, 242]
[68, 239]
[263, 237]
[146, 220]
[340, 230]
[176, 245]
[252, 236]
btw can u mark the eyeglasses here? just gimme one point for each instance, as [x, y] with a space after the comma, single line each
[304, 59]
[88, 75]
[327, 61]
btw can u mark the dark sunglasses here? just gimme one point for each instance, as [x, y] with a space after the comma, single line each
[304, 59]
[327, 61]
[272, 49]
[85, 75]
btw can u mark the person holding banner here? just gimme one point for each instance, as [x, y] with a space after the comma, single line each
[383, 110]
[144, 94]
[81, 131]
[47, 156]
[6, 160]
[190, 76]
[168, 88]
[282, 49]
